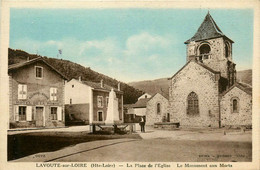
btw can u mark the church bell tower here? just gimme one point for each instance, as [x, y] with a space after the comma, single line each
[211, 47]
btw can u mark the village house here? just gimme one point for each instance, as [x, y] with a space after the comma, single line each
[36, 96]
[153, 107]
[157, 109]
[205, 92]
[88, 101]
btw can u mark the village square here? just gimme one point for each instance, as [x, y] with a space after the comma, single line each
[205, 116]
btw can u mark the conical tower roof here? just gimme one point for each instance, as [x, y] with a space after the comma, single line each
[207, 30]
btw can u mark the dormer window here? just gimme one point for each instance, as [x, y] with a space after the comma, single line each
[39, 72]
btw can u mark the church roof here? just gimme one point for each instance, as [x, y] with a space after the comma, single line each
[201, 64]
[242, 86]
[207, 30]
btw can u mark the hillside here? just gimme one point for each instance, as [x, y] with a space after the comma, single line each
[74, 70]
[245, 76]
[152, 86]
[158, 85]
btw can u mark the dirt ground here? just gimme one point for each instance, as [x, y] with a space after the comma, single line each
[186, 145]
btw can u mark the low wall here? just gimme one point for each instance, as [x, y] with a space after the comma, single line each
[77, 113]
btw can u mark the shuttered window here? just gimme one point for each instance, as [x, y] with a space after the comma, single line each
[22, 91]
[53, 94]
[22, 113]
[193, 104]
[100, 101]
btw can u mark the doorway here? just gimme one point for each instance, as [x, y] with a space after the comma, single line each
[39, 116]
[100, 116]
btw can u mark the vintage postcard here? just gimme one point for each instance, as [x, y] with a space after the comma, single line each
[129, 85]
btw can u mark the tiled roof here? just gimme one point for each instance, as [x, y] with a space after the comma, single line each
[245, 87]
[161, 93]
[97, 86]
[22, 64]
[141, 103]
[128, 106]
[207, 30]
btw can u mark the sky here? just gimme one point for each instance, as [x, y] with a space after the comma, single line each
[126, 44]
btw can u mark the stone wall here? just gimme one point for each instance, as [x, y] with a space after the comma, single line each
[77, 111]
[244, 114]
[194, 78]
[218, 61]
[151, 109]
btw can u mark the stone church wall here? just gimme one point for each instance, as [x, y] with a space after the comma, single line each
[217, 61]
[151, 109]
[194, 78]
[244, 114]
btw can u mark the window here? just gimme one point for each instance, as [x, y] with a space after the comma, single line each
[22, 91]
[107, 100]
[100, 101]
[53, 94]
[204, 51]
[158, 107]
[72, 86]
[100, 116]
[54, 113]
[22, 113]
[235, 105]
[38, 72]
[70, 101]
[227, 50]
[193, 104]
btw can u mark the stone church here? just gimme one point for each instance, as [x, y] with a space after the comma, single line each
[205, 92]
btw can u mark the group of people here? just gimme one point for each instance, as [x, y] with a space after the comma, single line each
[142, 124]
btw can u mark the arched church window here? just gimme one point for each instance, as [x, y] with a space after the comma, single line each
[193, 104]
[204, 51]
[227, 50]
[158, 108]
[235, 105]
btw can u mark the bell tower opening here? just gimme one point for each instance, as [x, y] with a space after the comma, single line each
[204, 52]
[211, 47]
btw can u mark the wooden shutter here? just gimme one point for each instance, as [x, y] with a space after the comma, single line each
[24, 91]
[29, 113]
[16, 114]
[55, 94]
[59, 113]
[51, 91]
[20, 89]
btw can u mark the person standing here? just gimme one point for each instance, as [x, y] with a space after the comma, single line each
[142, 124]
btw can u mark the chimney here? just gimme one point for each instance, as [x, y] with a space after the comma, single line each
[101, 83]
[118, 86]
[28, 58]
[80, 78]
